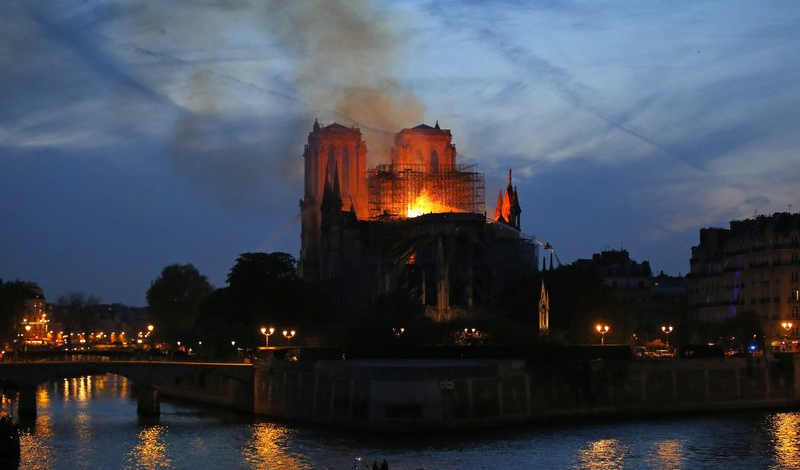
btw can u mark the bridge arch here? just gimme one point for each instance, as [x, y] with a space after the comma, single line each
[149, 376]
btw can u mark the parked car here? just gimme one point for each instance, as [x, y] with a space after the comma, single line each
[663, 353]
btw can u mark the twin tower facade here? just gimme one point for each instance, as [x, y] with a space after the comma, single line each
[359, 222]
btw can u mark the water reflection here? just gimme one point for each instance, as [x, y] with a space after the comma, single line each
[666, 455]
[44, 414]
[605, 454]
[151, 451]
[785, 430]
[35, 454]
[77, 389]
[36, 451]
[267, 448]
[91, 422]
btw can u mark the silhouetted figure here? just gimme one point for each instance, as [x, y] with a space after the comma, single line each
[9, 443]
[384, 465]
[374, 465]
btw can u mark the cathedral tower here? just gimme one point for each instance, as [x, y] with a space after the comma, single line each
[333, 152]
[424, 148]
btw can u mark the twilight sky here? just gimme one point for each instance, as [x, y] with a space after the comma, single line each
[135, 134]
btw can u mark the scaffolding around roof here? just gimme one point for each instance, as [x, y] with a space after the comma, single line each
[393, 190]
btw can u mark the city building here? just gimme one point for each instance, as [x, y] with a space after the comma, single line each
[750, 267]
[656, 301]
[34, 327]
[415, 225]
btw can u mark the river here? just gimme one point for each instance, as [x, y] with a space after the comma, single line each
[91, 423]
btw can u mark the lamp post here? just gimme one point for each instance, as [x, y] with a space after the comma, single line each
[398, 331]
[288, 334]
[602, 329]
[787, 325]
[267, 332]
[667, 329]
[149, 335]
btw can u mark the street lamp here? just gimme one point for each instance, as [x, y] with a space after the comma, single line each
[602, 329]
[288, 334]
[667, 330]
[787, 325]
[267, 333]
[398, 331]
[150, 329]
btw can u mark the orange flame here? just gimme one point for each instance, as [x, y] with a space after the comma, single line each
[424, 205]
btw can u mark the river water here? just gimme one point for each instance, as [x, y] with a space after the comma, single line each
[91, 423]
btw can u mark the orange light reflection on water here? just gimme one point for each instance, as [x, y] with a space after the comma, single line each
[151, 451]
[667, 455]
[44, 414]
[785, 430]
[266, 448]
[605, 454]
[35, 453]
[77, 388]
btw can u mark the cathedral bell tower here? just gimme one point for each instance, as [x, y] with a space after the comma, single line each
[331, 150]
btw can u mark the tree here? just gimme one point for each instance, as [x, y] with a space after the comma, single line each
[174, 299]
[76, 311]
[263, 287]
[13, 295]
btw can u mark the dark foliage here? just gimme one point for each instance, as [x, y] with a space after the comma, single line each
[77, 312]
[174, 299]
[13, 295]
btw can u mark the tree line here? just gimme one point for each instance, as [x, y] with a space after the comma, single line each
[264, 290]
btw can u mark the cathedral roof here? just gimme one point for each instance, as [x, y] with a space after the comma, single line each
[337, 126]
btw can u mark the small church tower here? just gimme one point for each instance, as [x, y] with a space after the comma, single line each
[544, 311]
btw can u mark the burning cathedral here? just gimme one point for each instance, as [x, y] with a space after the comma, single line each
[416, 225]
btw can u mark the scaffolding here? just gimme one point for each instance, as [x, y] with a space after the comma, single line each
[394, 190]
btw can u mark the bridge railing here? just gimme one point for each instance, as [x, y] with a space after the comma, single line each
[111, 356]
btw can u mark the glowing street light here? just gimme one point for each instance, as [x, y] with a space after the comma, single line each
[288, 334]
[398, 331]
[787, 325]
[667, 330]
[602, 329]
[267, 333]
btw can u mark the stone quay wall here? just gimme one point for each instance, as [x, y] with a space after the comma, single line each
[202, 384]
[412, 395]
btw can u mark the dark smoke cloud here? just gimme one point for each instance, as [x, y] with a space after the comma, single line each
[346, 56]
[343, 56]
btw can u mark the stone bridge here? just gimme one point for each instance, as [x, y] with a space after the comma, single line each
[149, 376]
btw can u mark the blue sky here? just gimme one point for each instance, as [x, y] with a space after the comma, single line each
[136, 134]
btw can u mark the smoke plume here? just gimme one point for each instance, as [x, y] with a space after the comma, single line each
[347, 54]
[342, 58]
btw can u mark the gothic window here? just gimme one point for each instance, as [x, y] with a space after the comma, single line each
[331, 162]
[434, 161]
[344, 171]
